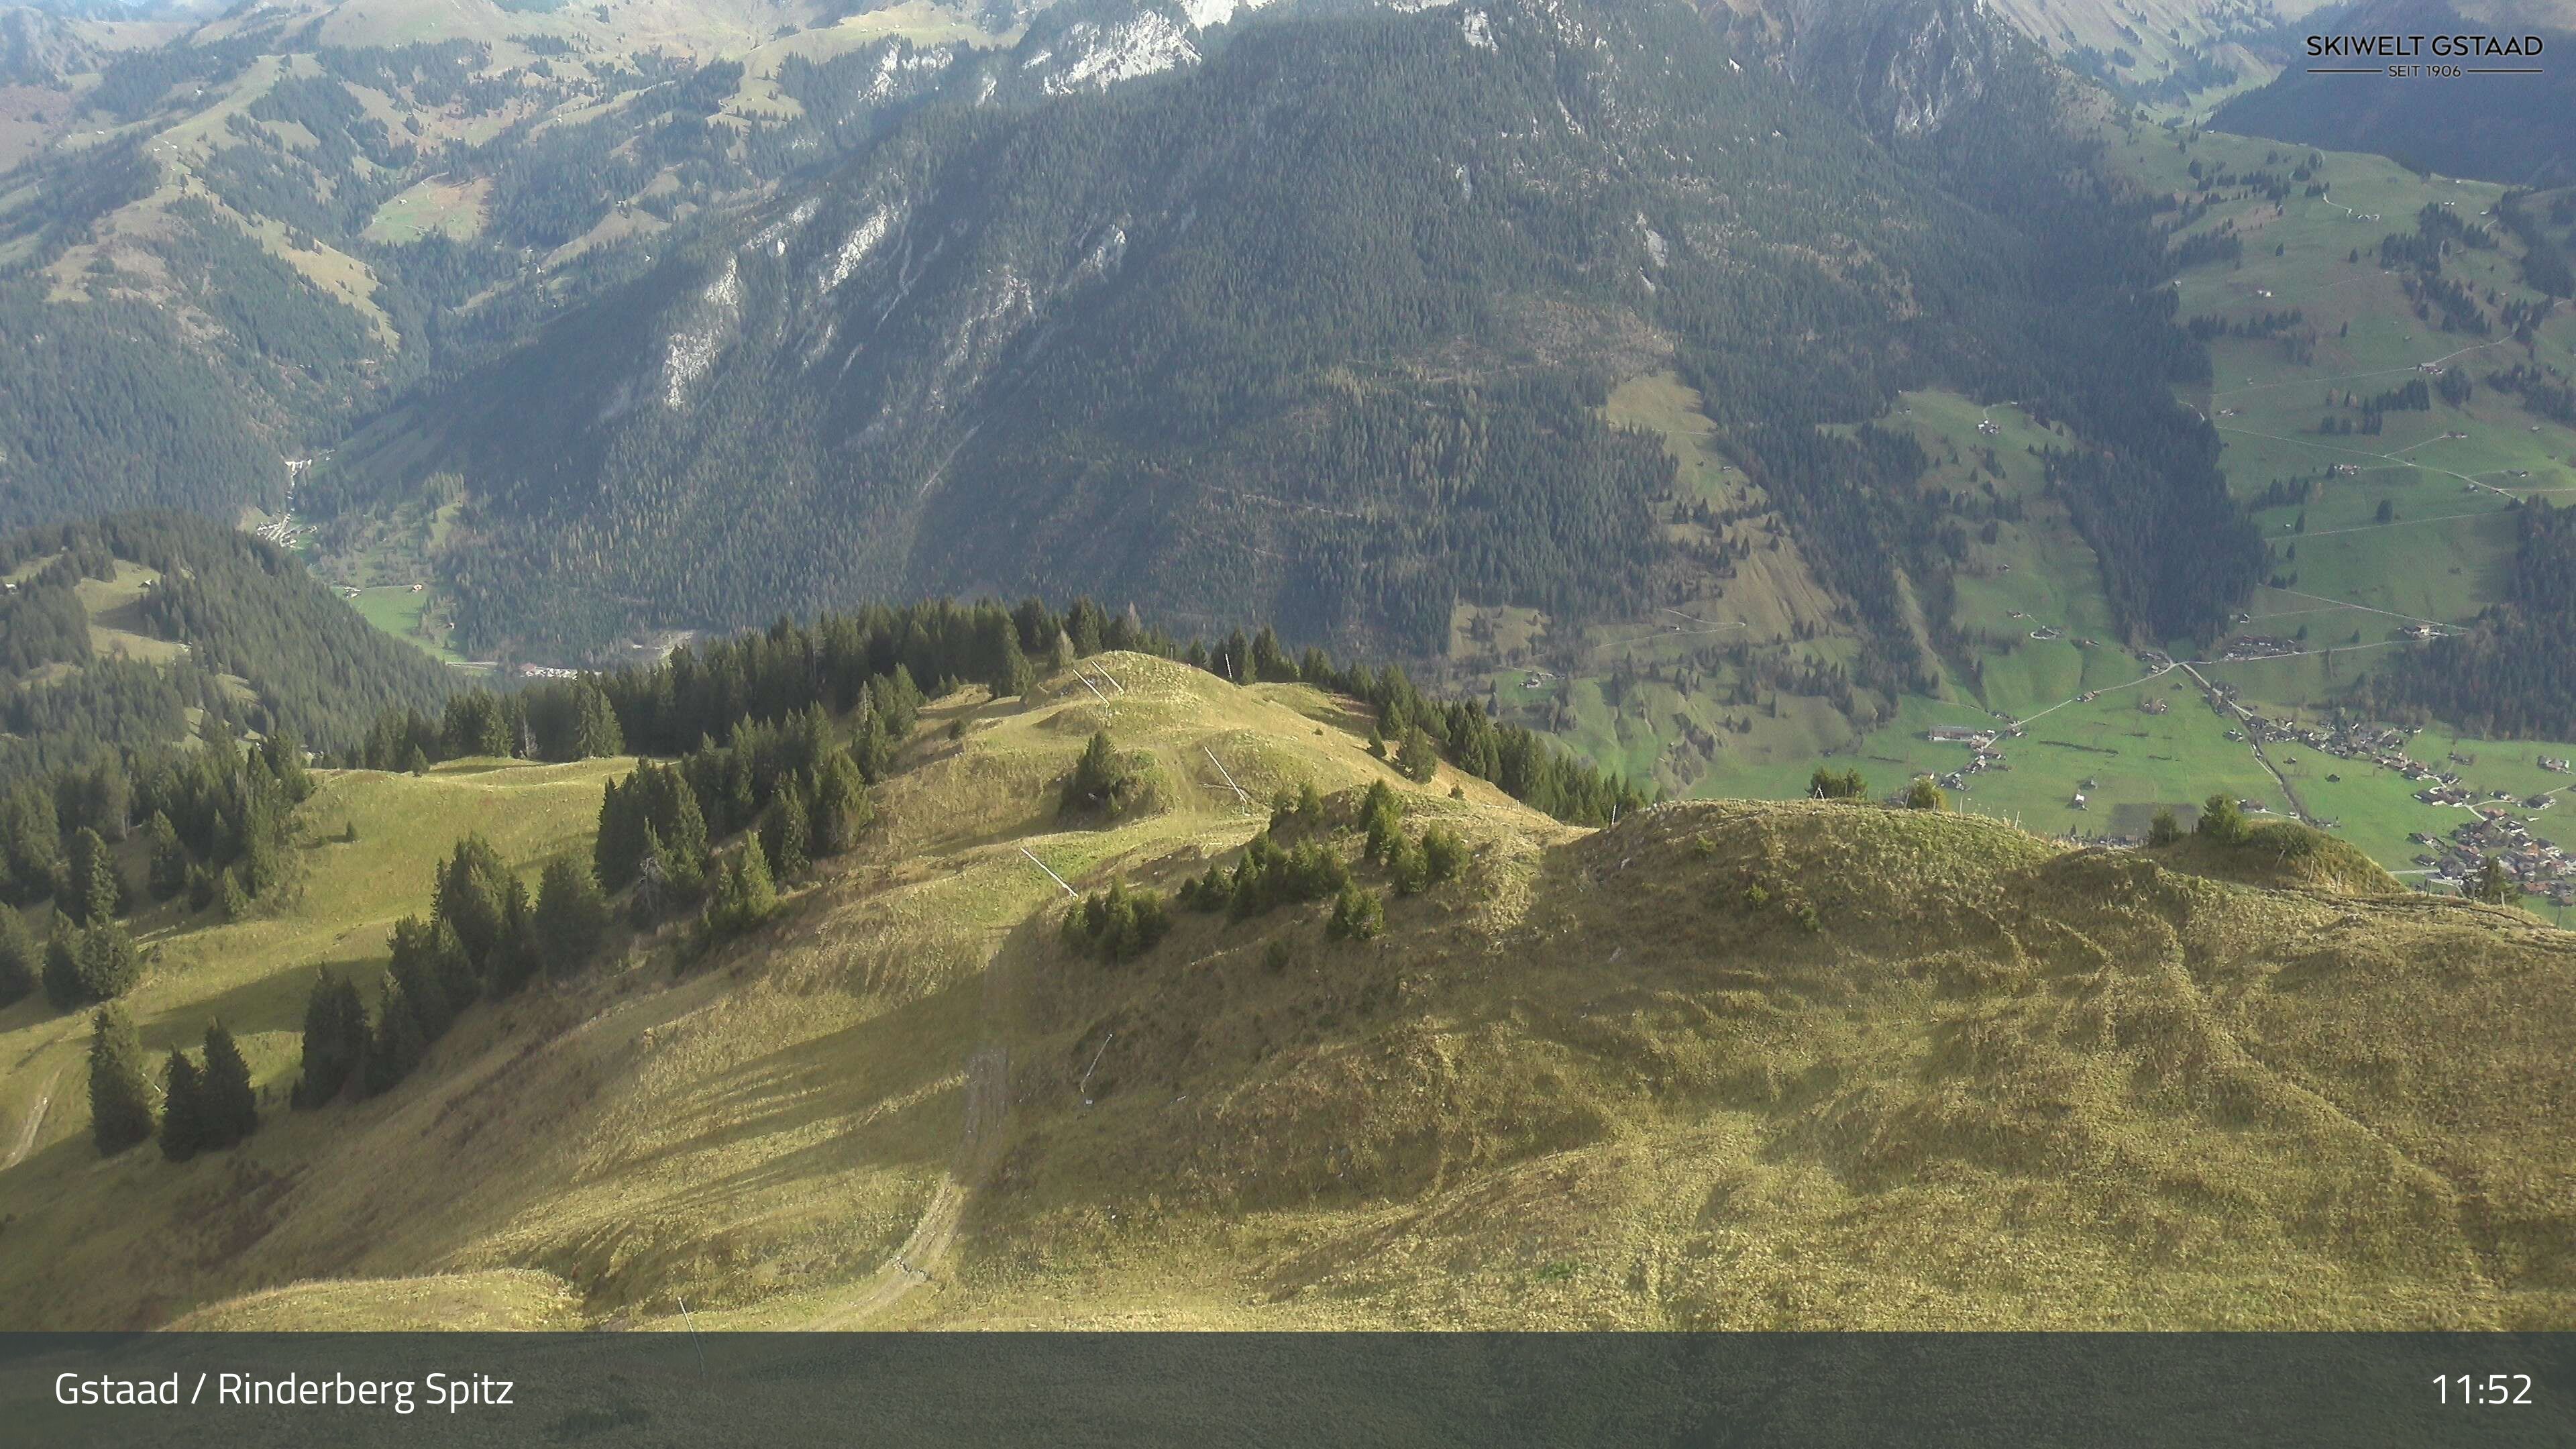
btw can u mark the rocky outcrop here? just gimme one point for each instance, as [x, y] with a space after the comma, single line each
[1904, 68]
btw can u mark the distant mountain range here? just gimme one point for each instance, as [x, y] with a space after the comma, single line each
[2517, 129]
[1312, 333]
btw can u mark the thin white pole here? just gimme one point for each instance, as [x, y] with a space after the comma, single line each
[1051, 875]
[1229, 779]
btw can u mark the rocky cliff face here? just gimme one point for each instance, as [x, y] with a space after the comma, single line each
[1904, 68]
[38, 49]
[1299, 331]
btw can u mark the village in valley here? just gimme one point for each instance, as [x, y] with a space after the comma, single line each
[2501, 825]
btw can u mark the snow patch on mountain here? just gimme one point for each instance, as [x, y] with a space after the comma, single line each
[894, 63]
[1101, 259]
[1146, 45]
[1204, 13]
[694, 350]
[862, 240]
[774, 237]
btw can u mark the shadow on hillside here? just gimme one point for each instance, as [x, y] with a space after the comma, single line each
[271, 1001]
[891, 1077]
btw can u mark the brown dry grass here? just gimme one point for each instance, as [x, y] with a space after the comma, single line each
[1606, 1079]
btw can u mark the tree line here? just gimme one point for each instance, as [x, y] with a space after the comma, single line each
[242, 608]
[218, 821]
[2512, 674]
[864, 665]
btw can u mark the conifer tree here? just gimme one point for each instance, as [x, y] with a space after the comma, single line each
[1381, 816]
[685, 842]
[1406, 868]
[1358, 915]
[31, 841]
[2222, 822]
[1416, 758]
[2164, 830]
[783, 831]
[617, 852]
[2492, 885]
[471, 896]
[283, 755]
[680, 876]
[571, 917]
[169, 871]
[1826, 784]
[595, 729]
[21, 962]
[872, 749]
[840, 806]
[120, 1096]
[335, 1039]
[514, 961]
[183, 1108]
[109, 964]
[397, 1044]
[94, 889]
[429, 965]
[228, 1105]
[62, 978]
[1101, 779]
[1444, 855]
[745, 895]
[1925, 795]
[230, 895]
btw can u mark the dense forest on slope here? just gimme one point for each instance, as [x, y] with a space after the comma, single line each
[268, 649]
[1126, 345]
[105, 409]
[212, 287]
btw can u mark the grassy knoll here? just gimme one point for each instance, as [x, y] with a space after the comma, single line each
[1726, 1065]
[116, 616]
[253, 976]
[406, 615]
[437, 205]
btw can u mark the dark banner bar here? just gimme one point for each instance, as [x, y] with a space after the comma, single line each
[607, 1390]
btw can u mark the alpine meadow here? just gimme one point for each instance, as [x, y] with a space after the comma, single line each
[1629, 669]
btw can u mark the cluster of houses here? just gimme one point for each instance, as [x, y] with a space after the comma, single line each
[1985, 752]
[2257, 646]
[2537, 867]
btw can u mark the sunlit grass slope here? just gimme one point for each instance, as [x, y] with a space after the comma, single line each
[1727, 1064]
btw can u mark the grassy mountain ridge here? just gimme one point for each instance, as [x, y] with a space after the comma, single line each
[1604, 1078]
